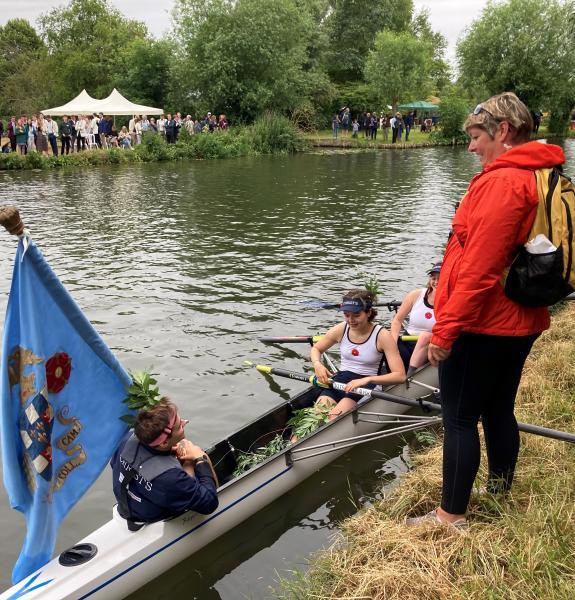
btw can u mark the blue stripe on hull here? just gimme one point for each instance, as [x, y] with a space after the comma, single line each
[211, 518]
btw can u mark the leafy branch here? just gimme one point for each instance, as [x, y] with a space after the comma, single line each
[142, 394]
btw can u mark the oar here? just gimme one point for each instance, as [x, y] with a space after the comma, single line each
[525, 427]
[394, 304]
[312, 339]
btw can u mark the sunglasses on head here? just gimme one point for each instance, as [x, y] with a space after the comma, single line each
[480, 108]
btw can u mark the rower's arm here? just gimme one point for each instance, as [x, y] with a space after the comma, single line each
[403, 313]
[387, 345]
[332, 337]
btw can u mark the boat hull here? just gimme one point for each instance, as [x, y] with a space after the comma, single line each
[125, 560]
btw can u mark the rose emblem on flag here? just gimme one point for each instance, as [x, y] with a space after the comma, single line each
[58, 369]
[428, 315]
[355, 352]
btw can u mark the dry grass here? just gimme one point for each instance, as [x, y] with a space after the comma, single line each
[521, 547]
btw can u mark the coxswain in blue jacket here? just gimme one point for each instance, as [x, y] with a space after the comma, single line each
[159, 474]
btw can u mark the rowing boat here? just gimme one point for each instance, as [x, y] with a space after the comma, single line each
[113, 562]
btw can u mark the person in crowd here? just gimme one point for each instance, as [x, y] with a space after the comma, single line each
[198, 126]
[94, 129]
[132, 129]
[162, 125]
[144, 124]
[103, 131]
[417, 309]
[369, 354]
[138, 130]
[125, 138]
[384, 126]
[52, 130]
[1, 129]
[73, 141]
[170, 127]
[354, 128]
[113, 136]
[158, 473]
[373, 126]
[32, 133]
[393, 125]
[482, 338]
[21, 132]
[408, 122]
[65, 135]
[11, 133]
[82, 130]
[335, 125]
[399, 125]
[153, 125]
[223, 122]
[42, 135]
[345, 119]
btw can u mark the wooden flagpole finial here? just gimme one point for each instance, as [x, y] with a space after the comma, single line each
[10, 219]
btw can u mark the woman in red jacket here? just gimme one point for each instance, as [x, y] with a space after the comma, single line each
[482, 338]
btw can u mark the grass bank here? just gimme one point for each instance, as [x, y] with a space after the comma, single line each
[521, 547]
[270, 134]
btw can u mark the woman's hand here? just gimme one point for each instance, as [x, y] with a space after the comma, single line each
[357, 383]
[436, 354]
[322, 373]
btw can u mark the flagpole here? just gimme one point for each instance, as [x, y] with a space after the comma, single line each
[10, 219]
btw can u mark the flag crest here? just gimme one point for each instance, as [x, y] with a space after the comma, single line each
[61, 392]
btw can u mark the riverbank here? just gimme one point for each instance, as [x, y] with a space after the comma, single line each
[520, 547]
[270, 134]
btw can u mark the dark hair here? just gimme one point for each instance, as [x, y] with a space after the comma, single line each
[150, 423]
[367, 297]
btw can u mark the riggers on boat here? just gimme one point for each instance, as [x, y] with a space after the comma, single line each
[113, 562]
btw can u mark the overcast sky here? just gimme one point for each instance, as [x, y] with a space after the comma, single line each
[450, 17]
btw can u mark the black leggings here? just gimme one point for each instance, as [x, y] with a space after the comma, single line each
[480, 380]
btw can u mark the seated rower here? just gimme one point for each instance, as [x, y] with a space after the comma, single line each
[157, 473]
[417, 307]
[369, 354]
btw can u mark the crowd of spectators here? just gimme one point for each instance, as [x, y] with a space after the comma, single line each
[84, 132]
[369, 123]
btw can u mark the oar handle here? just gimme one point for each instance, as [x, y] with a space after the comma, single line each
[525, 427]
[392, 304]
[312, 339]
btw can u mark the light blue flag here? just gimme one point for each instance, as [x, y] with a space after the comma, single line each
[61, 401]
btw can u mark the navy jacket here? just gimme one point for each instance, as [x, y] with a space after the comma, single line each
[170, 493]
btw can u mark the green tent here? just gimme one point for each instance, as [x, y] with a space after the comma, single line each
[419, 105]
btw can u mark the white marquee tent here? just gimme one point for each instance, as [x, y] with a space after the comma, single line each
[114, 104]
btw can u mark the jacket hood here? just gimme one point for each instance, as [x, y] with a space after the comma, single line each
[531, 155]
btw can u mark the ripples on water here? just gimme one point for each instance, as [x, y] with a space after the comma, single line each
[183, 266]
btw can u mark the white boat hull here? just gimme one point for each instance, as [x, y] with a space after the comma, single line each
[125, 560]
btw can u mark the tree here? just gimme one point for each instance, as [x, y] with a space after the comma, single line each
[86, 41]
[398, 67]
[21, 49]
[523, 46]
[144, 72]
[439, 71]
[245, 57]
[352, 26]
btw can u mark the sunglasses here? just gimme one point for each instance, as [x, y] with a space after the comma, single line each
[480, 108]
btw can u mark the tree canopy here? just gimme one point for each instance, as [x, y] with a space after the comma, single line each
[524, 46]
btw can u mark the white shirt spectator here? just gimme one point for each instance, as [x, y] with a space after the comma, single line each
[94, 125]
[161, 123]
[51, 127]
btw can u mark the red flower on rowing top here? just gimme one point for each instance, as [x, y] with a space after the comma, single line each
[58, 369]
[428, 315]
[355, 352]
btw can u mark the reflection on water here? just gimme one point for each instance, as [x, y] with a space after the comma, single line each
[182, 266]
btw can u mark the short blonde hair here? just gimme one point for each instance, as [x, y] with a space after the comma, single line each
[502, 107]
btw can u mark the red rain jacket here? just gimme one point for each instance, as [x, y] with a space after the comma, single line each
[492, 221]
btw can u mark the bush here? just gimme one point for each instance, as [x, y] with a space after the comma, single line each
[453, 111]
[273, 133]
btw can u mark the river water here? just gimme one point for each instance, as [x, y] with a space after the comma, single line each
[182, 266]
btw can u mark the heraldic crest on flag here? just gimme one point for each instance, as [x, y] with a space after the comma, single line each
[61, 392]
